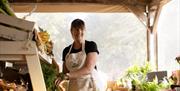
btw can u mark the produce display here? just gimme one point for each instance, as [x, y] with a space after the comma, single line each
[135, 78]
[43, 42]
[50, 71]
[7, 86]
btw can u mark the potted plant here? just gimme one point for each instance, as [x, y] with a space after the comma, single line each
[137, 76]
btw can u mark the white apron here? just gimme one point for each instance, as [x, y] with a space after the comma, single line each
[75, 61]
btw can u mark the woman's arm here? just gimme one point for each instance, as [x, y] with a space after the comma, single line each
[88, 67]
[65, 70]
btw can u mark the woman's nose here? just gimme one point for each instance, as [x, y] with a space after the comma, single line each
[79, 30]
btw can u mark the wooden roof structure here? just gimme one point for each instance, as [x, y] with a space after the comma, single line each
[85, 5]
[145, 10]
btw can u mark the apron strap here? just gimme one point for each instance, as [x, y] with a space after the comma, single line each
[83, 47]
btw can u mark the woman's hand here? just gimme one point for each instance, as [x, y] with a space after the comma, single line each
[58, 81]
[61, 84]
[62, 77]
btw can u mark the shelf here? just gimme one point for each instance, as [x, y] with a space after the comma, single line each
[44, 57]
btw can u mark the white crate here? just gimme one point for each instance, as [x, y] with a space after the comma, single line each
[13, 28]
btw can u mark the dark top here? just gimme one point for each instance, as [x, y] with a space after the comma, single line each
[90, 46]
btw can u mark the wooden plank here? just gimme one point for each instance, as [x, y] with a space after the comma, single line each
[12, 57]
[67, 7]
[17, 62]
[13, 34]
[17, 47]
[16, 22]
[69, 1]
[36, 74]
[45, 58]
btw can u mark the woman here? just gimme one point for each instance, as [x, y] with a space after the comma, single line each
[79, 59]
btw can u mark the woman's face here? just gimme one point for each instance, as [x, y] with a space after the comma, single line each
[78, 34]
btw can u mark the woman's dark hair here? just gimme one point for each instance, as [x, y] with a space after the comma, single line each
[78, 24]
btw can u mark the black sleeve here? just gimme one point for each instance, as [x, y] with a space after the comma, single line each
[65, 51]
[63, 55]
[91, 46]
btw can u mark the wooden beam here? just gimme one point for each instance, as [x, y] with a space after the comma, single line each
[156, 18]
[35, 72]
[67, 7]
[12, 57]
[154, 29]
[39, 0]
[17, 47]
[158, 2]
[79, 5]
[148, 32]
[69, 1]
[139, 13]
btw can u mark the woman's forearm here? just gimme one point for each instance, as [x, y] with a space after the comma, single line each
[88, 67]
[80, 73]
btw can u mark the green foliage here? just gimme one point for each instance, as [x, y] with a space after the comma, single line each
[5, 8]
[137, 75]
[49, 73]
[150, 86]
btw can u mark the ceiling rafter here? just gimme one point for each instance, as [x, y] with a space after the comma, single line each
[140, 4]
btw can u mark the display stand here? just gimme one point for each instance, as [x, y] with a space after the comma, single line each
[20, 48]
[16, 52]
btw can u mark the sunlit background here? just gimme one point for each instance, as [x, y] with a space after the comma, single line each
[120, 37]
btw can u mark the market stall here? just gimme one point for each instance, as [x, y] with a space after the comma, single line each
[146, 11]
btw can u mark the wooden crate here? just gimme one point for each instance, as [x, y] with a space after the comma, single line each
[13, 28]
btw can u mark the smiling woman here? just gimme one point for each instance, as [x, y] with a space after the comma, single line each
[79, 60]
[77, 31]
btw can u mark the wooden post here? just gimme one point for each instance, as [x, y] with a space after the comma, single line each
[35, 71]
[148, 33]
[155, 23]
